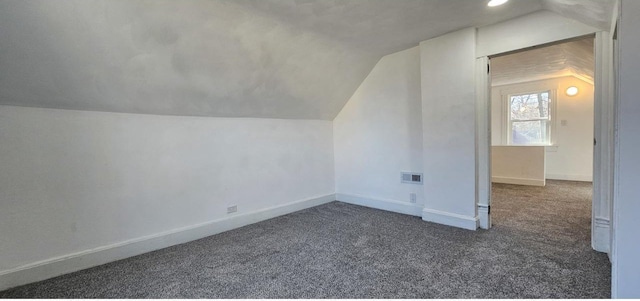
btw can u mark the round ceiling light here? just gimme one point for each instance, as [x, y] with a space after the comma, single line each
[493, 3]
[572, 91]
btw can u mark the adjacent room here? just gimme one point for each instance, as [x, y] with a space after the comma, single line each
[542, 116]
[318, 149]
[542, 121]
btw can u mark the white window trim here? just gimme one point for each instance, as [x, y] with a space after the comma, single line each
[506, 112]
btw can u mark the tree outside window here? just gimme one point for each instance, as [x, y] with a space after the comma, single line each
[530, 118]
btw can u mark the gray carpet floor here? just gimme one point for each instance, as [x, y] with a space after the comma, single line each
[539, 247]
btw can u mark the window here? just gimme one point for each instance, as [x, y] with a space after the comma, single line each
[529, 118]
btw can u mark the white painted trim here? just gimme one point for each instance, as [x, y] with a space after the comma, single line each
[483, 141]
[382, 204]
[601, 234]
[484, 218]
[450, 219]
[604, 132]
[581, 178]
[53, 267]
[614, 160]
[518, 181]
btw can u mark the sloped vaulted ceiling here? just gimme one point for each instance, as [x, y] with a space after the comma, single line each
[225, 58]
[596, 13]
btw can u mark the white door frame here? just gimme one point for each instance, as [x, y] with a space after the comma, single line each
[603, 149]
[483, 141]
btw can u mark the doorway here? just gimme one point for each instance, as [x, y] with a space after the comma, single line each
[539, 105]
[542, 130]
[542, 114]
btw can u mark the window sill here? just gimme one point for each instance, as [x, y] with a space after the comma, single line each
[524, 145]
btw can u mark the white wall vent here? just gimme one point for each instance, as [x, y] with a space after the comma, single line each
[411, 178]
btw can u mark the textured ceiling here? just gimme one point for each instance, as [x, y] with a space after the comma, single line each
[227, 58]
[596, 13]
[387, 26]
[572, 58]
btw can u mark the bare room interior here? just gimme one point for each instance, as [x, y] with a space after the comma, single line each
[319, 149]
[542, 133]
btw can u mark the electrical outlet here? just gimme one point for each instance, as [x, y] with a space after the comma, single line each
[232, 209]
[413, 197]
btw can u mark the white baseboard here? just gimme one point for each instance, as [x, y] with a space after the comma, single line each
[450, 219]
[581, 178]
[53, 267]
[388, 205]
[601, 235]
[518, 181]
[484, 218]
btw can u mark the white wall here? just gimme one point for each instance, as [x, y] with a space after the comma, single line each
[449, 123]
[73, 181]
[520, 165]
[626, 241]
[378, 134]
[571, 157]
[447, 87]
